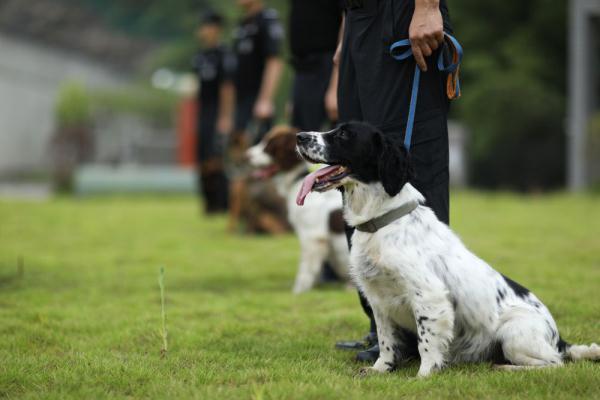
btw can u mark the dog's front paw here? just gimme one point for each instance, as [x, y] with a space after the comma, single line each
[363, 372]
[427, 370]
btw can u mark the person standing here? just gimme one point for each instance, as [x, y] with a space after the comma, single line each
[314, 32]
[257, 45]
[375, 88]
[214, 66]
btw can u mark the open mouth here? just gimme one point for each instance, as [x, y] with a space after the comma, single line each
[322, 180]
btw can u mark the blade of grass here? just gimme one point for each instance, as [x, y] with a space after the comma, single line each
[163, 314]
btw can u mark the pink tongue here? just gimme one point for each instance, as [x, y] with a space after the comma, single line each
[309, 181]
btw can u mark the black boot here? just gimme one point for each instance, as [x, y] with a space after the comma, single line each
[367, 342]
[369, 355]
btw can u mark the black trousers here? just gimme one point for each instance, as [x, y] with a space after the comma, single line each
[311, 80]
[212, 183]
[376, 88]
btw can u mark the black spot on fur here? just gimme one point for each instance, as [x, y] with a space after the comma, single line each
[336, 221]
[421, 319]
[391, 366]
[387, 348]
[501, 294]
[562, 345]
[518, 289]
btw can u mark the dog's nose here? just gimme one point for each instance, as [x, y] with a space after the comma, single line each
[302, 137]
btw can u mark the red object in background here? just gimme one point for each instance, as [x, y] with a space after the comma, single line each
[186, 132]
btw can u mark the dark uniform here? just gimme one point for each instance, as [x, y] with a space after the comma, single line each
[256, 39]
[376, 88]
[314, 30]
[213, 67]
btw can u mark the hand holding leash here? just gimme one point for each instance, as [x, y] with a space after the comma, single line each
[426, 31]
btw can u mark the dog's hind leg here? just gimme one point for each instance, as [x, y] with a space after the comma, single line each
[527, 340]
[313, 254]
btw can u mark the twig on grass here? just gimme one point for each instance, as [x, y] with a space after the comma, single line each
[163, 330]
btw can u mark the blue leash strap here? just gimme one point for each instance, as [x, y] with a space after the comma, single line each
[402, 50]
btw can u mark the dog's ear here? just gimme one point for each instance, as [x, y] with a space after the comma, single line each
[394, 167]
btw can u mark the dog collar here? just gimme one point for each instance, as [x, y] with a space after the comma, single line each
[375, 224]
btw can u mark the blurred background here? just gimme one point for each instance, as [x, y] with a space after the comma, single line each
[112, 79]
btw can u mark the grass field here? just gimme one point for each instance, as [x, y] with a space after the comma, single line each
[80, 312]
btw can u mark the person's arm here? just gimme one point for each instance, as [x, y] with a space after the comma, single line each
[226, 106]
[264, 107]
[331, 100]
[426, 31]
[338, 50]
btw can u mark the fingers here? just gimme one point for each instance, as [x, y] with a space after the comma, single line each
[419, 58]
[424, 47]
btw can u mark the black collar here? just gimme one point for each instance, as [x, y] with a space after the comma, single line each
[375, 224]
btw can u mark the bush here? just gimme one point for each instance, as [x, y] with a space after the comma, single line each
[72, 105]
[518, 141]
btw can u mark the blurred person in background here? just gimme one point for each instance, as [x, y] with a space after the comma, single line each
[257, 46]
[214, 66]
[375, 88]
[314, 33]
[314, 27]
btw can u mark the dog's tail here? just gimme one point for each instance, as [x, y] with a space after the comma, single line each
[577, 352]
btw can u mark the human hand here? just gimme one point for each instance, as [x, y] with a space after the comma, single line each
[263, 109]
[331, 104]
[426, 32]
[224, 125]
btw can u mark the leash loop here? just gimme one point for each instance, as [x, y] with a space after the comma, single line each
[402, 50]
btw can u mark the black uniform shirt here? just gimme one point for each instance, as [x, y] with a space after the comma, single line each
[314, 26]
[213, 66]
[256, 38]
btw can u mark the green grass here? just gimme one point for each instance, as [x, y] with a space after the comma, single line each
[81, 317]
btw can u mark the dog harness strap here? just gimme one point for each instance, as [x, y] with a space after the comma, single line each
[376, 224]
[402, 50]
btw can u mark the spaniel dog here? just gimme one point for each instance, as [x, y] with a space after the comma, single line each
[432, 298]
[320, 225]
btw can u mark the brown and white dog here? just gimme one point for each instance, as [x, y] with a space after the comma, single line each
[318, 225]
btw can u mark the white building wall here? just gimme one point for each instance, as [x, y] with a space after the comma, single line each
[30, 77]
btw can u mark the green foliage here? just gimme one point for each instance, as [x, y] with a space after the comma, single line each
[154, 104]
[79, 319]
[72, 105]
[514, 90]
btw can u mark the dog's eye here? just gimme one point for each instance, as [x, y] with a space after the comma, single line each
[343, 134]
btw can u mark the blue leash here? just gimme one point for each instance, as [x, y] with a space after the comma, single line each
[401, 50]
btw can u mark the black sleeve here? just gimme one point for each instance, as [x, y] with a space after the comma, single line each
[272, 35]
[228, 65]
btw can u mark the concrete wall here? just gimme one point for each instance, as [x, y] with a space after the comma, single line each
[30, 76]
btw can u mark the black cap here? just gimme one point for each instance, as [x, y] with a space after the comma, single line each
[211, 17]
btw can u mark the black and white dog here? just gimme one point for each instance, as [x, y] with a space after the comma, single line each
[432, 298]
